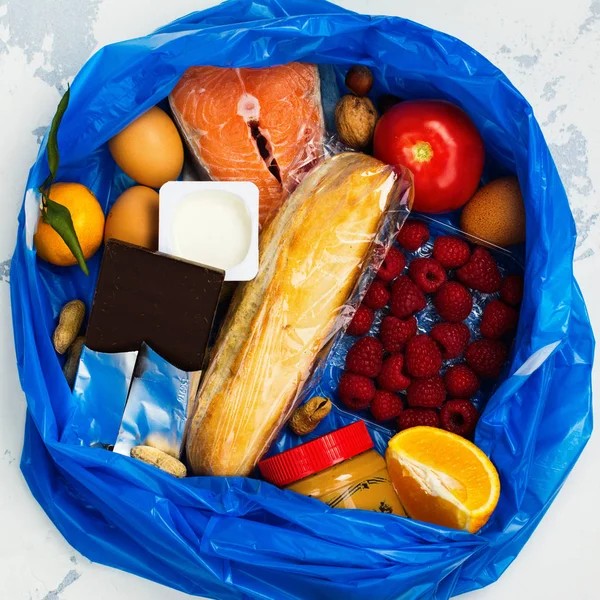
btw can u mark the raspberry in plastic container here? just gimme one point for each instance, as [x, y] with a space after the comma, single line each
[332, 366]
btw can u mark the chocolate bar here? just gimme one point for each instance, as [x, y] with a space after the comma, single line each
[145, 296]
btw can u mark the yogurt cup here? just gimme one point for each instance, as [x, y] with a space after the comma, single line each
[214, 223]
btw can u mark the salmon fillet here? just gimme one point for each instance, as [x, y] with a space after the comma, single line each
[260, 125]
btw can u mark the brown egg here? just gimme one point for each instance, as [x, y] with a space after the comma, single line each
[134, 218]
[496, 213]
[150, 149]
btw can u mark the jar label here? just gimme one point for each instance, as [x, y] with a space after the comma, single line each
[372, 493]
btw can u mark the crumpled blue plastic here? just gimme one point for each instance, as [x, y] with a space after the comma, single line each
[242, 538]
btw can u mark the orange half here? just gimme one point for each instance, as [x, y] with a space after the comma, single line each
[442, 478]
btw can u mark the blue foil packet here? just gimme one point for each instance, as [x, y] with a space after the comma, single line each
[157, 407]
[100, 393]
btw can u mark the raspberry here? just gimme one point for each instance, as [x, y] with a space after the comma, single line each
[451, 252]
[413, 235]
[481, 272]
[386, 405]
[407, 298]
[427, 273]
[392, 265]
[391, 377]
[429, 392]
[423, 357]
[361, 321]
[461, 382]
[378, 295]
[512, 290]
[356, 391]
[395, 332]
[486, 357]
[497, 319]
[453, 302]
[459, 416]
[452, 338]
[418, 417]
[365, 357]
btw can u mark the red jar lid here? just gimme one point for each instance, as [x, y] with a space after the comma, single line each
[316, 455]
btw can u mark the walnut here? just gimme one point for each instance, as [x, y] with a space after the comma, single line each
[355, 120]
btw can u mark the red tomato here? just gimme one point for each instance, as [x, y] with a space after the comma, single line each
[440, 144]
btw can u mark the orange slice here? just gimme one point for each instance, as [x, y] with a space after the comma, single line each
[442, 478]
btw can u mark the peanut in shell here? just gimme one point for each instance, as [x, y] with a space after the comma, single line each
[72, 363]
[70, 321]
[157, 458]
[305, 418]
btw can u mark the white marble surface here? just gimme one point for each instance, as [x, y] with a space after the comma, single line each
[548, 48]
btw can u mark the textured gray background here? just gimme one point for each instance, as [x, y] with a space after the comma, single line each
[548, 48]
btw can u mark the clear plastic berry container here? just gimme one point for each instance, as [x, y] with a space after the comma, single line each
[325, 380]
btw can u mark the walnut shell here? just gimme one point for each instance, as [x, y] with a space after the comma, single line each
[355, 120]
[306, 417]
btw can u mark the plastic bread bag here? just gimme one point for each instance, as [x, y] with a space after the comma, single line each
[214, 106]
[157, 406]
[312, 253]
[100, 393]
[330, 146]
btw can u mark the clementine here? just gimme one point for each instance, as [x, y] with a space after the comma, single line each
[88, 222]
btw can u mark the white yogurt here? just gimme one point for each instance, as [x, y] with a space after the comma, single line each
[211, 223]
[212, 227]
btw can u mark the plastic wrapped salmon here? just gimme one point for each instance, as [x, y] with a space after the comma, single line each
[313, 254]
[260, 125]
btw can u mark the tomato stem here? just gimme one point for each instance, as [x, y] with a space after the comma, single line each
[422, 152]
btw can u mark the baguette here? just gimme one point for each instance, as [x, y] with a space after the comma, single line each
[311, 257]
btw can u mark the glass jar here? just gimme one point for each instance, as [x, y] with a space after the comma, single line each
[340, 468]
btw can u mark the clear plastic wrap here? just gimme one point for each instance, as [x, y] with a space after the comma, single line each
[325, 381]
[258, 125]
[306, 291]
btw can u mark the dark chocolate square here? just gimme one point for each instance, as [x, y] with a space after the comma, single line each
[145, 296]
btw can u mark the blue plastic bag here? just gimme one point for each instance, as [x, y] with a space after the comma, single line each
[242, 538]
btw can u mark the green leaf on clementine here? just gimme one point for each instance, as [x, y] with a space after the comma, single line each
[52, 148]
[54, 214]
[59, 218]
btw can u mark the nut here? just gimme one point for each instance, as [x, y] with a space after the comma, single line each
[160, 459]
[161, 442]
[72, 363]
[306, 417]
[69, 323]
[355, 120]
[359, 80]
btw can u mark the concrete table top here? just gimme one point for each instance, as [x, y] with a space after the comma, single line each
[548, 48]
